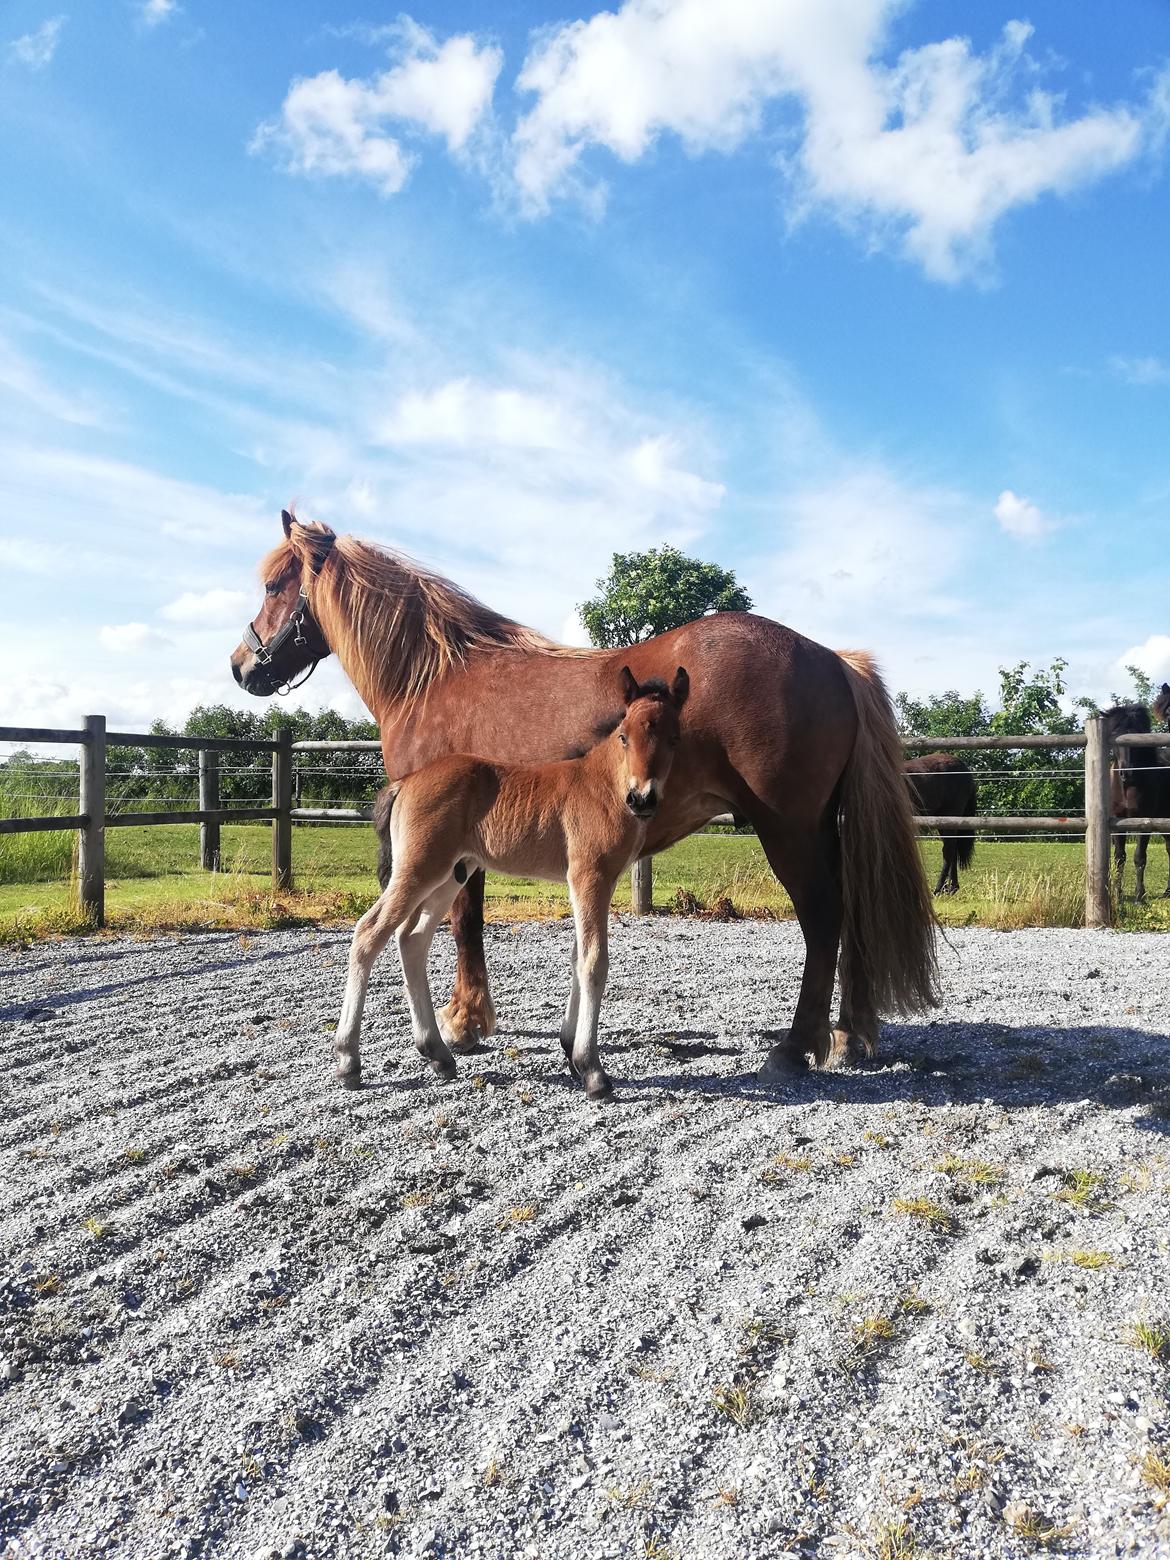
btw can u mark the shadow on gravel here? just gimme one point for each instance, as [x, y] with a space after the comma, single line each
[943, 1064]
[59, 999]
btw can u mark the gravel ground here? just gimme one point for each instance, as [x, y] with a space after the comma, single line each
[244, 1313]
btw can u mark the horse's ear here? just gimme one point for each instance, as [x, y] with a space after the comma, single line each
[287, 521]
[629, 686]
[1166, 690]
[680, 687]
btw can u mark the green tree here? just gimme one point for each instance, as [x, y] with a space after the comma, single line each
[647, 593]
[1011, 781]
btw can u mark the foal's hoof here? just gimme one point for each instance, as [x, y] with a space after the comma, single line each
[444, 1068]
[349, 1078]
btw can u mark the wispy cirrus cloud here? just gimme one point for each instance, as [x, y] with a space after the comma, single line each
[36, 49]
[1143, 371]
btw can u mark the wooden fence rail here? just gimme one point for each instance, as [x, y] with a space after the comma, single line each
[92, 819]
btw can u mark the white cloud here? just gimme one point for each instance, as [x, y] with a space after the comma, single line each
[128, 638]
[209, 608]
[1022, 519]
[36, 49]
[929, 152]
[1143, 371]
[154, 12]
[464, 412]
[1152, 656]
[331, 124]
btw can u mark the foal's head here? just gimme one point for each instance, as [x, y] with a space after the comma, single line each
[648, 736]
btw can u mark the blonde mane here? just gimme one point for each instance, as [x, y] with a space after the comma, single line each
[395, 626]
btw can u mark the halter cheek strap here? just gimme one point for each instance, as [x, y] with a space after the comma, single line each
[294, 629]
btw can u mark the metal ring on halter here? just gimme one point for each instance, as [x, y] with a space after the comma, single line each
[264, 653]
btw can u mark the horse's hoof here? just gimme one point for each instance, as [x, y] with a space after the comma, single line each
[781, 1065]
[845, 1048]
[445, 1071]
[466, 1023]
[351, 1078]
[599, 1092]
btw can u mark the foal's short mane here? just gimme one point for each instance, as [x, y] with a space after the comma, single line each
[396, 626]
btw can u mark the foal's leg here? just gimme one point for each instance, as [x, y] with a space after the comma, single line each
[572, 1006]
[396, 904]
[414, 944]
[591, 897]
[470, 1016]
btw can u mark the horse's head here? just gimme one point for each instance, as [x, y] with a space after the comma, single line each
[285, 637]
[1162, 705]
[648, 735]
[1126, 719]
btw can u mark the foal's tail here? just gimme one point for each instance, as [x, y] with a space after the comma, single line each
[887, 939]
[383, 803]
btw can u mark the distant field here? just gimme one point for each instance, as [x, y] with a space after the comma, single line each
[152, 881]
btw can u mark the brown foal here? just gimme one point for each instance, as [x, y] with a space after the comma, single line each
[582, 820]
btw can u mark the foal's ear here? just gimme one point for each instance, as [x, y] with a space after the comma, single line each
[287, 521]
[629, 686]
[680, 687]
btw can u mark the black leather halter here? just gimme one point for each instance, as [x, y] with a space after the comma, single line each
[294, 629]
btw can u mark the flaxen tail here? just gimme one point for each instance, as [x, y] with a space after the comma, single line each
[888, 935]
[383, 803]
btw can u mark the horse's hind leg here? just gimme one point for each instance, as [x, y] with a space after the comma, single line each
[414, 944]
[470, 1016]
[1166, 842]
[806, 862]
[949, 855]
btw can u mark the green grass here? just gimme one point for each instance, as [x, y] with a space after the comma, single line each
[152, 879]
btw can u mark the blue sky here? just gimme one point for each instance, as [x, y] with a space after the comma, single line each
[864, 299]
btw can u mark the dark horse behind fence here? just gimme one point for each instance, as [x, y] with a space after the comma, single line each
[942, 786]
[796, 738]
[1140, 785]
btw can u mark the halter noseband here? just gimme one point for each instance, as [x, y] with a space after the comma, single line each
[265, 654]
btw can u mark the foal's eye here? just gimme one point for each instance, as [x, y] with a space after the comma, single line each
[623, 739]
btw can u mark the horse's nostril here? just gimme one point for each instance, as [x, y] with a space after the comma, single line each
[631, 798]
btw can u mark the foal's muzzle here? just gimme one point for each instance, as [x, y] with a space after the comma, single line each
[642, 806]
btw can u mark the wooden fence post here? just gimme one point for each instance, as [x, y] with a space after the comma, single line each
[282, 790]
[91, 852]
[208, 802]
[642, 886]
[1098, 900]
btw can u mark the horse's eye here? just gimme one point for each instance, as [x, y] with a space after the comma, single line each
[623, 739]
[272, 589]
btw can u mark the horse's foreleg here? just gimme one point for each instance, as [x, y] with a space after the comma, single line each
[469, 1017]
[1139, 866]
[414, 944]
[591, 897]
[1119, 865]
[371, 934]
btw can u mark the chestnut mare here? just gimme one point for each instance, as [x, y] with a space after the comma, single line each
[796, 738]
[582, 820]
